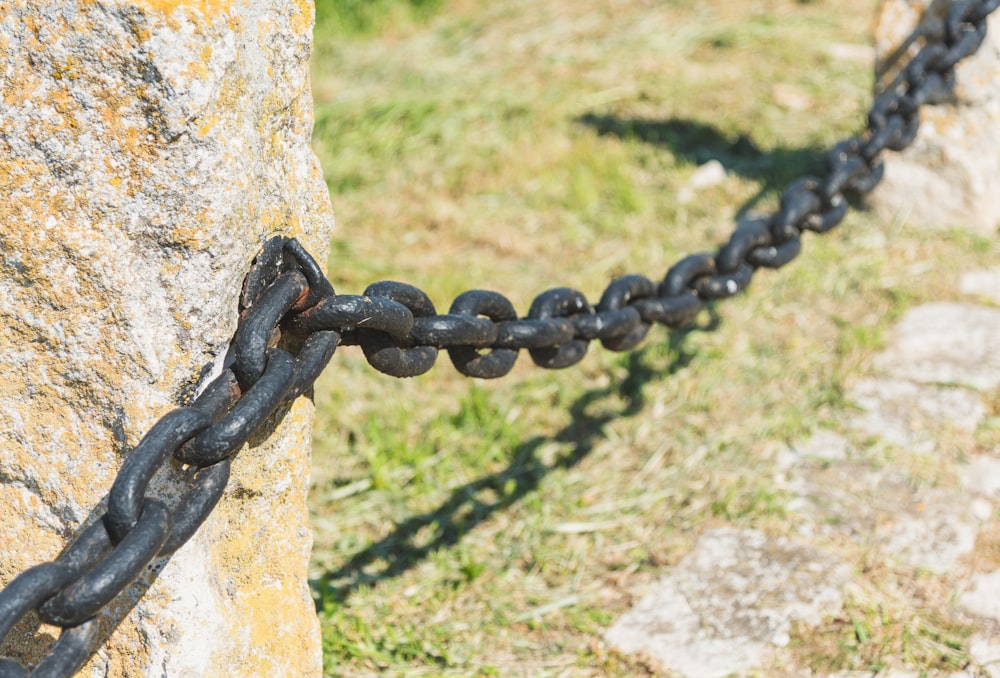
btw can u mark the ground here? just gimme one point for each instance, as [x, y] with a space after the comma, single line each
[501, 528]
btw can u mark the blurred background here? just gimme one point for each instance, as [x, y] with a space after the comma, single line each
[498, 528]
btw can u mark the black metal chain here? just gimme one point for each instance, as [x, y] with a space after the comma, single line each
[292, 322]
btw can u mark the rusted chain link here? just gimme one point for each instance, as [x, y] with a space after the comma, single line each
[292, 322]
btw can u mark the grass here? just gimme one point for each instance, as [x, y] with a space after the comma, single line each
[366, 17]
[496, 528]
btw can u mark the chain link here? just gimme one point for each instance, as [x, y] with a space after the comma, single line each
[292, 322]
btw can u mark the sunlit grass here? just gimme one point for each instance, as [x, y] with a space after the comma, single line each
[365, 17]
[496, 528]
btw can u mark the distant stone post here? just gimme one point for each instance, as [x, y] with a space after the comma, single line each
[950, 175]
[148, 148]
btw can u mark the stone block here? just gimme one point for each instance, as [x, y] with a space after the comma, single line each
[147, 149]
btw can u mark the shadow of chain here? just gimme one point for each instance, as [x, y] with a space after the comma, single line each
[475, 502]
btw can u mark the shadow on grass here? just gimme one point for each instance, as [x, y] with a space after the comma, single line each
[473, 503]
[697, 143]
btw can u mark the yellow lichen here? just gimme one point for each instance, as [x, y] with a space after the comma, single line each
[302, 19]
[208, 9]
[91, 390]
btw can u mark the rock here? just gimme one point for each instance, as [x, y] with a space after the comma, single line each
[712, 173]
[984, 283]
[822, 446]
[934, 532]
[924, 527]
[912, 415]
[983, 597]
[147, 150]
[734, 596]
[950, 175]
[841, 51]
[985, 651]
[981, 476]
[946, 343]
[790, 97]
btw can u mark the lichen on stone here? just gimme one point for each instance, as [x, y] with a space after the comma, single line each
[147, 150]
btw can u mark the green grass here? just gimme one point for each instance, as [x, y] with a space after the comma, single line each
[496, 528]
[365, 17]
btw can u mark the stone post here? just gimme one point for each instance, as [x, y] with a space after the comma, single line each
[950, 175]
[148, 148]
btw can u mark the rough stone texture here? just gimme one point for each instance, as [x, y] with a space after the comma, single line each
[880, 508]
[983, 596]
[985, 283]
[940, 355]
[986, 652]
[912, 415]
[935, 531]
[946, 343]
[981, 476]
[734, 596]
[950, 175]
[824, 445]
[147, 149]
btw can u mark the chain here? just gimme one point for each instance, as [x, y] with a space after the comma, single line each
[401, 334]
[292, 322]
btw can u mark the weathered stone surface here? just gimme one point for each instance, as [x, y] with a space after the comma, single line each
[986, 652]
[734, 596]
[950, 175]
[982, 476]
[912, 415]
[147, 149]
[925, 527]
[934, 531]
[824, 446]
[984, 283]
[983, 596]
[946, 343]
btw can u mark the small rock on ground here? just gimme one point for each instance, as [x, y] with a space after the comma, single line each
[712, 173]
